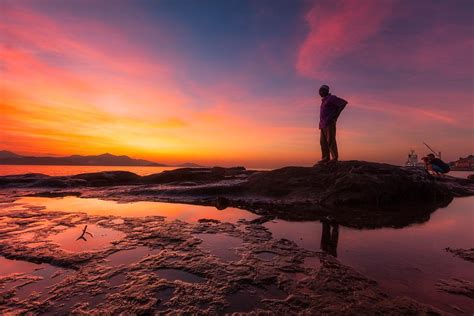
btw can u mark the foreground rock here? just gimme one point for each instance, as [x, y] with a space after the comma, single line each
[158, 266]
[466, 254]
[353, 193]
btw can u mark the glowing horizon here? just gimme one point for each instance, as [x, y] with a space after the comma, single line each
[235, 83]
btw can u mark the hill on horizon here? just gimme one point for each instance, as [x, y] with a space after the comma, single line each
[107, 159]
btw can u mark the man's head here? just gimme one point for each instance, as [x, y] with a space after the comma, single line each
[324, 91]
[430, 156]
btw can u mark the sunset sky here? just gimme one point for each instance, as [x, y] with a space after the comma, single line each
[235, 82]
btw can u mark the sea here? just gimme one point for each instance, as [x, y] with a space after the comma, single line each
[142, 171]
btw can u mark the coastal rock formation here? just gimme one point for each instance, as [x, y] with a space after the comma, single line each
[354, 193]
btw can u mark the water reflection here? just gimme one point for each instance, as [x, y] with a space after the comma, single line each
[407, 261]
[329, 238]
[68, 240]
[172, 211]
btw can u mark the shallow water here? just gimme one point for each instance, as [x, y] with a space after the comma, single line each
[130, 256]
[172, 211]
[220, 245]
[43, 276]
[72, 170]
[9, 266]
[249, 298]
[407, 261]
[99, 238]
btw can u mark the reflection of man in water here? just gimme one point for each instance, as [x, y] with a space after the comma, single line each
[330, 238]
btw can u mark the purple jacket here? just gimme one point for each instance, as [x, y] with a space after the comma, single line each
[331, 107]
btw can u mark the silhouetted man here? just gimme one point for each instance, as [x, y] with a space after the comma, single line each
[331, 108]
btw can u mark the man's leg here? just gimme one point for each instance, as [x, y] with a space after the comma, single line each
[331, 141]
[324, 144]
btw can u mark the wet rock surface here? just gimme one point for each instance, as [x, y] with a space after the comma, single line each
[156, 266]
[466, 254]
[457, 286]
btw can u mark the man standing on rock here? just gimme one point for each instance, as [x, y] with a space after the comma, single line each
[331, 108]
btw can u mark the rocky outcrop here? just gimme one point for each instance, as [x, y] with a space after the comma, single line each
[355, 193]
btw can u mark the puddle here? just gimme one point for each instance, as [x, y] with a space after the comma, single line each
[172, 211]
[101, 238]
[118, 279]
[249, 299]
[47, 276]
[8, 266]
[220, 245]
[242, 302]
[266, 255]
[164, 296]
[68, 304]
[50, 274]
[408, 261]
[127, 257]
[174, 274]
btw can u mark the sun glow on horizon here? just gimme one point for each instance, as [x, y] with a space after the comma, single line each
[170, 87]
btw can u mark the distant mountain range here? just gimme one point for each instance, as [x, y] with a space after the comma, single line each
[10, 158]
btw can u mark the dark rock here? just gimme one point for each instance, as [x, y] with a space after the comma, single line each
[55, 194]
[197, 175]
[222, 203]
[353, 193]
[351, 183]
[457, 286]
[49, 183]
[108, 178]
[466, 254]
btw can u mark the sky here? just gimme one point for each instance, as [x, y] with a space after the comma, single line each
[235, 82]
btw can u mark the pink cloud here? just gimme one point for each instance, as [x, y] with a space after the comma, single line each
[104, 48]
[336, 29]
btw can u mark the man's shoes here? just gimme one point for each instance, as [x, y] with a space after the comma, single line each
[333, 161]
[321, 162]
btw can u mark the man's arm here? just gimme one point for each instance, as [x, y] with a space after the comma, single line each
[339, 105]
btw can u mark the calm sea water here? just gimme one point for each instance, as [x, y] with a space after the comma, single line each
[143, 171]
[71, 170]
